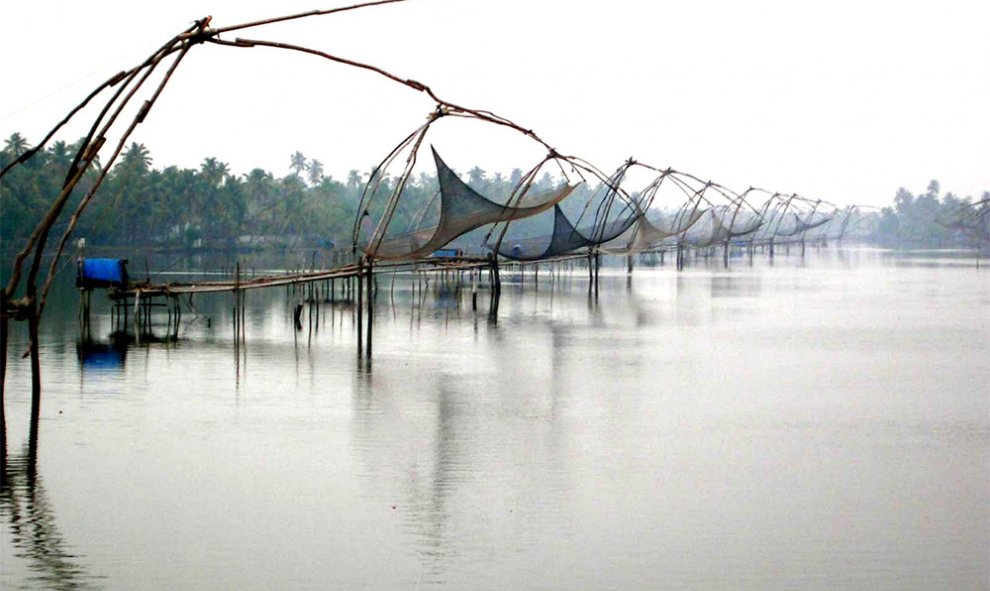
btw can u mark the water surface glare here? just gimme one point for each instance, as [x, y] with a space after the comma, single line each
[815, 424]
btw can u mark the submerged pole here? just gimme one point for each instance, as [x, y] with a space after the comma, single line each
[237, 306]
[371, 304]
[3, 383]
[359, 308]
[35, 380]
[474, 288]
[137, 316]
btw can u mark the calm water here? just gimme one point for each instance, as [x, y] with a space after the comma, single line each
[809, 425]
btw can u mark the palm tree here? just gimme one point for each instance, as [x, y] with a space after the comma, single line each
[353, 179]
[260, 187]
[315, 171]
[298, 162]
[498, 184]
[213, 172]
[129, 186]
[476, 178]
[61, 155]
[136, 158]
[515, 177]
[15, 145]
[427, 180]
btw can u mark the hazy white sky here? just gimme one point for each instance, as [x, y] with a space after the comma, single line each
[841, 100]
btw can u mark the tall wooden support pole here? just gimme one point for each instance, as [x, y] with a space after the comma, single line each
[360, 309]
[3, 384]
[474, 288]
[35, 382]
[598, 264]
[137, 316]
[237, 307]
[371, 305]
[497, 279]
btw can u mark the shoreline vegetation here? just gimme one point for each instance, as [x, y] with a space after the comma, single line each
[211, 208]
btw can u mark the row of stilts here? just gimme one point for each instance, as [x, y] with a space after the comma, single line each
[137, 315]
[361, 287]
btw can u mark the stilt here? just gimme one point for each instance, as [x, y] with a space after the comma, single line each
[237, 306]
[3, 383]
[35, 381]
[360, 309]
[474, 288]
[137, 316]
[598, 264]
[371, 304]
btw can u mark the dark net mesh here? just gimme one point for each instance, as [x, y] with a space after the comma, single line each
[647, 235]
[564, 238]
[798, 226]
[462, 209]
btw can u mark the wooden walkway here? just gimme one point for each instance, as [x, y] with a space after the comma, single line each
[148, 289]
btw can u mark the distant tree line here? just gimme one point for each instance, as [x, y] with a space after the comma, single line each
[171, 207]
[927, 219]
[211, 207]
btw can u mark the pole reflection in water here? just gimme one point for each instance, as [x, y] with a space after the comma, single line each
[35, 539]
[703, 425]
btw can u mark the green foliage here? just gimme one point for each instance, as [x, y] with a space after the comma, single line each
[139, 205]
[175, 208]
[922, 220]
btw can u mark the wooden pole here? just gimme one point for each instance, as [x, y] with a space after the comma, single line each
[137, 316]
[360, 309]
[3, 382]
[371, 306]
[237, 306]
[35, 381]
[474, 288]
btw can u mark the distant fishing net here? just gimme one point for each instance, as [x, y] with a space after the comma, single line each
[796, 224]
[972, 219]
[646, 234]
[719, 225]
[414, 220]
[600, 216]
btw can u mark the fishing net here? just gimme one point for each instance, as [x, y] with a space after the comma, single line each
[462, 209]
[798, 225]
[601, 216]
